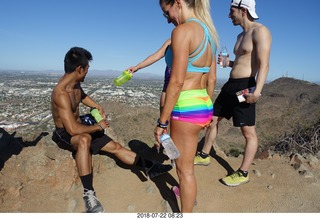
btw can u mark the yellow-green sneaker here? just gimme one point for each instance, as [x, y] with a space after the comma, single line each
[235, 179]
[198, 160]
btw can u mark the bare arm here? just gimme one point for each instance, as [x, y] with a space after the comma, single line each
[88, 101]
[262, 40]
[68, 118]
[152, 58]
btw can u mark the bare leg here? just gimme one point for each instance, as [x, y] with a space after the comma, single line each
[249, 132]
[123, 154]
[83, 157]
[185, 135]
[81, 144]
[211, 134]
[129, 157]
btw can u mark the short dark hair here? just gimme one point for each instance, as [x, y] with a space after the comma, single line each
[75, 57]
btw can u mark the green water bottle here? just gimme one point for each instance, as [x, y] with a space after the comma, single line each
[123, 78]
[96, 114]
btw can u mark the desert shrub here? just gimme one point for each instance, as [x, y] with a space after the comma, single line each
[302, 141]
[233, 152]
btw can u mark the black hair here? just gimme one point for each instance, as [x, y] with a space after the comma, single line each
[75, 57]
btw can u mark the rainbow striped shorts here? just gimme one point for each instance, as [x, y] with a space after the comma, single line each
[194, 106]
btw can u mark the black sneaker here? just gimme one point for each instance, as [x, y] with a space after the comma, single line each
[157, 169]
[91, 202]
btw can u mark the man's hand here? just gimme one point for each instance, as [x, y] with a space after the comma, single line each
[252, 97]
[219, 60]
[104, 124]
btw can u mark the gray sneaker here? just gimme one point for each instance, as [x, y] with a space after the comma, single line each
[92, 203]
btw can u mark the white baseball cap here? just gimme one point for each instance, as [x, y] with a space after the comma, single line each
[250, 5]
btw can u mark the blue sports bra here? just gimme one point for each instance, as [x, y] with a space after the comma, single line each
[207, 39]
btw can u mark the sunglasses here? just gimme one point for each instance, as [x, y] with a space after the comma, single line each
[166, 14]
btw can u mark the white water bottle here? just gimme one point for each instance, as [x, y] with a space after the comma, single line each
[171, 149]
[224, 57]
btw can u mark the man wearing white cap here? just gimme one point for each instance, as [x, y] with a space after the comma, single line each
[248, 70]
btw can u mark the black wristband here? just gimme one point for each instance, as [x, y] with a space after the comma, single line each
[161, 125]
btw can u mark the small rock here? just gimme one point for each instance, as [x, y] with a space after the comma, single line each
[256, 172]
[166, 206]
[308, 174]
[312, 158]
[72, 205]
[313, 161]
[302, 172]
[302, 168]
[264, 155]
[296, 166]
[296, 159]
[150, 189]
[276, 157]
[131, 208]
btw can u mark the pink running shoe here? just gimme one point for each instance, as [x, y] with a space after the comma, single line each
[176, 191]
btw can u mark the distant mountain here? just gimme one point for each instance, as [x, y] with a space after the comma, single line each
[286, 105]
[92, 72]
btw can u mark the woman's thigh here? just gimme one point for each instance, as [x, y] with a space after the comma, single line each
[186, 136]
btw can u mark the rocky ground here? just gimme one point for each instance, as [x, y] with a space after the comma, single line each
[43, 178]
[36, 176]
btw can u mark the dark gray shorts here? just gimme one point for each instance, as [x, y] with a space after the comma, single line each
[227, 104]
[62, 138]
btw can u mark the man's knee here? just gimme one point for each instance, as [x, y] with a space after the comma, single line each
[84, 142]
[215, 121]
[249, 132]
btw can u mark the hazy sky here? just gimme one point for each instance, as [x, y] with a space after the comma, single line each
[36, 34]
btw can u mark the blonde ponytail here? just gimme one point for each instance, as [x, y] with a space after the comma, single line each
[202, 11]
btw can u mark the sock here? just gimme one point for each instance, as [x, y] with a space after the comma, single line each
[244, 173]
[203, 155]
[87, 181]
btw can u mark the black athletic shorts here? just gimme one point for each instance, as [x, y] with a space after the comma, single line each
[227, 104]
[62, 138]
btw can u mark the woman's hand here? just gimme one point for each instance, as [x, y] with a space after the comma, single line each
[158, 132]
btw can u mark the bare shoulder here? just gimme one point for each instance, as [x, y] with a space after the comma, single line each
[181, 36]
[58, 93]
[185, 33]
[261, 33]
[260, 28]
[181, 30]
